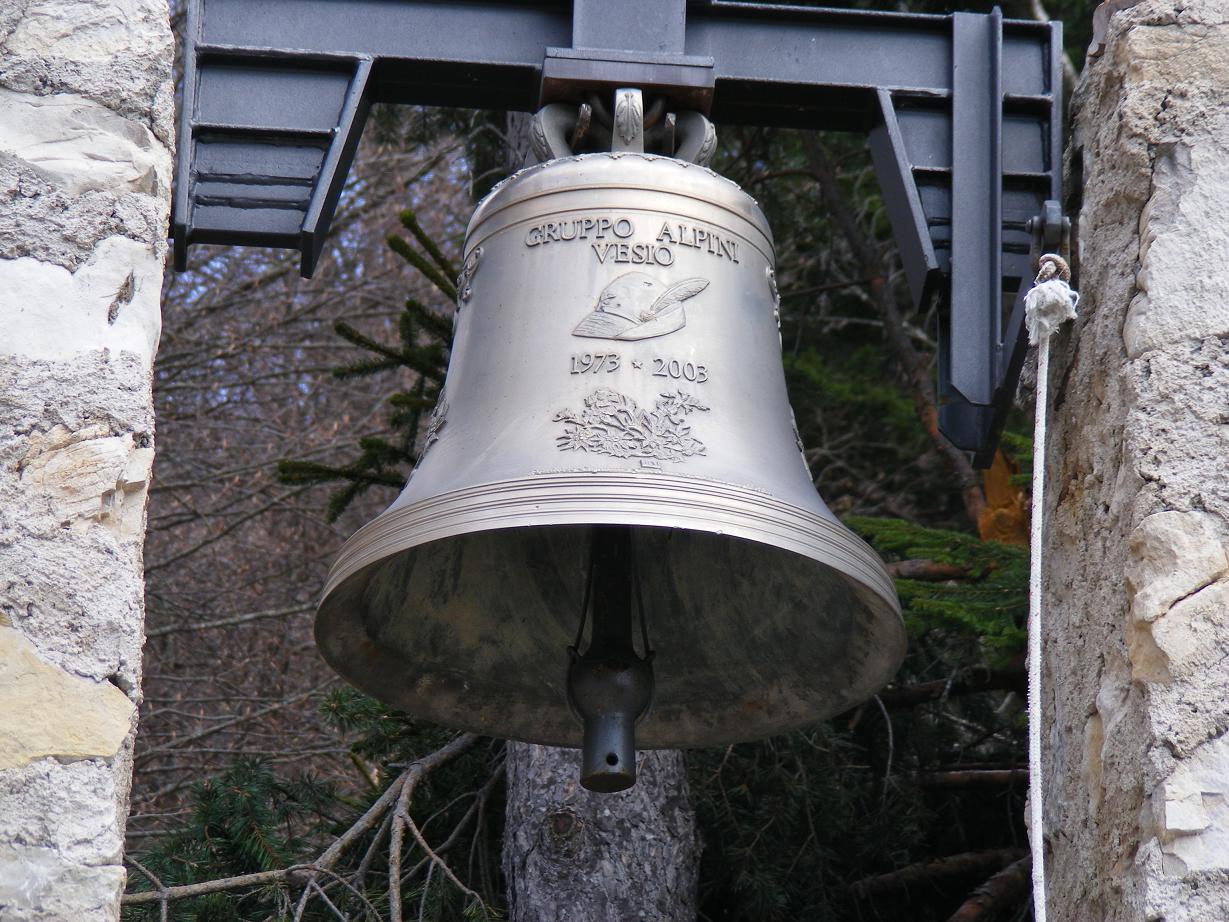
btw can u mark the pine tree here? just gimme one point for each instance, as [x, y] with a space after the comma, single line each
[424, 335]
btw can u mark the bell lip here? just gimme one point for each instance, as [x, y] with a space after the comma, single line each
[536, 181]
[614, 498]
[515, 503]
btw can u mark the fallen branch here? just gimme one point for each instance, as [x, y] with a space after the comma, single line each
[975, 778]
[1006, 888]
[306, 873]
[976, 680]
[930, 571]
[402, 820]
[416, 771]
[183, 891]
[926, 873]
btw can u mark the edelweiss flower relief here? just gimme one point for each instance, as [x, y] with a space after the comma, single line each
[613, 424]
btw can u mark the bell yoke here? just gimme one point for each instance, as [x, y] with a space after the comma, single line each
[612, 538]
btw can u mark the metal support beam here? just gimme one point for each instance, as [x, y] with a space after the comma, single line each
[962, 110]
[977, 182]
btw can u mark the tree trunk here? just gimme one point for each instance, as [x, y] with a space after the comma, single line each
[1136, 626]
[574, 856]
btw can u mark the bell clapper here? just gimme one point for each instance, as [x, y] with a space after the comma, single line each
[610, 687]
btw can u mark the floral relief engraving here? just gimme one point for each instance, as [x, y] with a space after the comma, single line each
[613, 424]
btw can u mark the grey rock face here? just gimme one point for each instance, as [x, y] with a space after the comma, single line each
[85, 174]
[1137, 581]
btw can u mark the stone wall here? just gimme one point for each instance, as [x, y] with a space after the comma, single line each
[86, 103]
[1137, 582]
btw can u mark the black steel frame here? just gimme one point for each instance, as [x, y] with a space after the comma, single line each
[963, 114]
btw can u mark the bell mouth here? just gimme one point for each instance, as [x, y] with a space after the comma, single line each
[763, 617]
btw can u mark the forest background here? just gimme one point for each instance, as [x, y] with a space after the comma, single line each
[289, 413]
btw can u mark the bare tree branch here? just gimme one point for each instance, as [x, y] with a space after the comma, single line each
[229, 622]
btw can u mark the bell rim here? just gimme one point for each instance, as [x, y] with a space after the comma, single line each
[597, 498]
[339, 635]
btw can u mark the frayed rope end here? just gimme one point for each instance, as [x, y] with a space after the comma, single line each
[1051, 301]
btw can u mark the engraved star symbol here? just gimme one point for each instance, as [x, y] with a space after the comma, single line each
[636, 364]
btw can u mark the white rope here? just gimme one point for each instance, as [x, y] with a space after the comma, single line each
[1049, 304]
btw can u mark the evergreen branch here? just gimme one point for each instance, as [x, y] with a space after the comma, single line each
[428, 361]
[413, 401]
[403, 249]
[363, 341]
[410, 221]
[310, 472]
[436, 323]
[342, 498]
[365, 367]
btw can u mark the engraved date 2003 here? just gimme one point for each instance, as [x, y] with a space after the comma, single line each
[676, 369]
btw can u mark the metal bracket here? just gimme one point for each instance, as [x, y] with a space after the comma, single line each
[963, 113]
[570, 75]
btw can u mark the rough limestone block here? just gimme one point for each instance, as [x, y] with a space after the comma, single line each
[112, 51]
[1136, 761]
[1192, 811]
[34, 886]
[49, 713]
[74, 173]
[86, 105]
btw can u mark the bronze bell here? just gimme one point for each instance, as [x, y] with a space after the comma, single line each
[611, 537]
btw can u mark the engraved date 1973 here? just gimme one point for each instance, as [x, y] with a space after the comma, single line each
[594, 362]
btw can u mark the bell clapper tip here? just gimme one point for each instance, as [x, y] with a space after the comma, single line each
[610, 686]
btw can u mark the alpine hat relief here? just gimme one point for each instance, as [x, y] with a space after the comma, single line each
[638, 306]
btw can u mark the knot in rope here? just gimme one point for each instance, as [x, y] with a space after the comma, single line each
[1051, 301]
